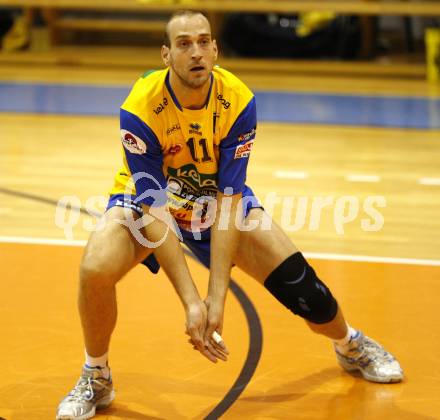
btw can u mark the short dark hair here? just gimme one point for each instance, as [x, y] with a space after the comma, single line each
[179, 13]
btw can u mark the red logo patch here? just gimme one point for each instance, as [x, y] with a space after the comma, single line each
[243, 150]
[175, 149]
[133, 143]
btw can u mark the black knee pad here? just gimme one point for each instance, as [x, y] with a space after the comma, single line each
[295, 284]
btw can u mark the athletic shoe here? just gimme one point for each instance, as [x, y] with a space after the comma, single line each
[371, 359]
[91, 393]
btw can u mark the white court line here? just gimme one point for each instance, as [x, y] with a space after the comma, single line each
[41, 241]
[362, 178]
[429, 181]
[291, 175]
[314, 255]
[371, 258]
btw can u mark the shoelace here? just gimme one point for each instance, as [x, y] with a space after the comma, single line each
[371, 352]
[366, 353]
[84, 391]
[380, 353]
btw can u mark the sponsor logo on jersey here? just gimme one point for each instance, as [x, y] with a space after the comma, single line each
[161, 106]
[175, 149]
[194, 128]
[247, 136]
[188, 193]
[226, 104]
[190, 175]
[133, 143]
[243, 150]
[172, 129]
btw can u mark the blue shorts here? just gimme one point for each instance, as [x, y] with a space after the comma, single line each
[200, 247]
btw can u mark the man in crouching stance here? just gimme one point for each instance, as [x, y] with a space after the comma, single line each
[187, 132]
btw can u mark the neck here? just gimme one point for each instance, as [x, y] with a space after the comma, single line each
[188, 97]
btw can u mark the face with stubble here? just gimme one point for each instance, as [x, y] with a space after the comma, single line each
[192, 52]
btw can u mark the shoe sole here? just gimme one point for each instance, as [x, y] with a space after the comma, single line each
[100, 405]
[365, 375]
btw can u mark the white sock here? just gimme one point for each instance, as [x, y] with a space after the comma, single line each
[100, 362]
[342, 343]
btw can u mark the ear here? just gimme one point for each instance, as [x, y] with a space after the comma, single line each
[214, 44]
[165, 53]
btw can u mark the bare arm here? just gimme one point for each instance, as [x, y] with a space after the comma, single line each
[224, 242]
[170, 256]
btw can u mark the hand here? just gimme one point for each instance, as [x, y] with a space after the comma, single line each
[215, 323]
[196, 318]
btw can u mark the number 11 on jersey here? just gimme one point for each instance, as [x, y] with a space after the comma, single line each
[199, 149]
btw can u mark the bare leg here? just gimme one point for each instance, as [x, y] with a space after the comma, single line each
[109, 255]
[335, 329]
[261, 251]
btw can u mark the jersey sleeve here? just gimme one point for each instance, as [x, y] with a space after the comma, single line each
[144, 157]
[235, 149]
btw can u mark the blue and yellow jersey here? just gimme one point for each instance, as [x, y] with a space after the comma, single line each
[188, 153]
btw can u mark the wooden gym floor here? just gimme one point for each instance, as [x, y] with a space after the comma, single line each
[387, 281]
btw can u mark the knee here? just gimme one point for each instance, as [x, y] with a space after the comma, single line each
[295, 284]
[97, 270]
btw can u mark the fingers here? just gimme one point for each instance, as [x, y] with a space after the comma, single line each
[196, 338]
[218, 343]
[213, 346]
[205, 352]
[210, 329]
[205, 339]
[216, 351]
[199, 345]
[211, 352]
[214, 341]
[210, 355]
